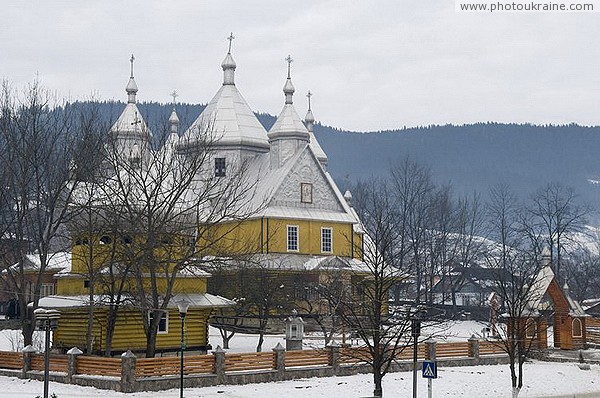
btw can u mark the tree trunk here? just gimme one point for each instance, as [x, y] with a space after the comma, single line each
[377, 378]
[515, 392]
[261, 339]
[89, 343]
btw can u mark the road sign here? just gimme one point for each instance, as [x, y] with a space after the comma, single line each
[429, 370]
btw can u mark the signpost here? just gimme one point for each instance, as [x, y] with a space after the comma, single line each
[429, 372]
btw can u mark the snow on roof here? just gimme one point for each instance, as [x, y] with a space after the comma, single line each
[131, 121]
[288, 122]
[196, 300]
[540, 286]
[56, 261]
[230, 120]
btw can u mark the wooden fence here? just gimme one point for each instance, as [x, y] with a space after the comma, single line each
[278, 360]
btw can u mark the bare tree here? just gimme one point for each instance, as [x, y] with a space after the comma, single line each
[383, 329]
[557, 212]
[37, 150]
[519, 279]
[166, 202]
[411, 193]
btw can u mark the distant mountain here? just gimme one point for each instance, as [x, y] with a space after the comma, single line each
[471, 157]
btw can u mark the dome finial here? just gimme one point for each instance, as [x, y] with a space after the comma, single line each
[230, 38]
[289, 89]
[175, 95]
[131, 88]
[229, 65]
[289, 61]
[309, 118]
[174, 119]
[131, 60]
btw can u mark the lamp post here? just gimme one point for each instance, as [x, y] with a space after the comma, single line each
[46, 320]
[183, 306]
[416, 319]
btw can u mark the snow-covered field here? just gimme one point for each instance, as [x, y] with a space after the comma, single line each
[541, 379]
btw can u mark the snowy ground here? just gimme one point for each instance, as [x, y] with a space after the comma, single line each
[541, 379]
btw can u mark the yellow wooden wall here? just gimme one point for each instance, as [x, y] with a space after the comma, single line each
[75, 285]
[129, 331]
[268, 235]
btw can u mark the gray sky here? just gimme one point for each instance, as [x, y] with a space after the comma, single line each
[371, 65]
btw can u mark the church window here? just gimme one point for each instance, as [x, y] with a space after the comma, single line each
[219, 167]
[47, 289]
[292, 238]
[326, 240]
[163, 324]
[306, 192]
[127, 240]
[530, 328]
[105, 240]
[577, 329]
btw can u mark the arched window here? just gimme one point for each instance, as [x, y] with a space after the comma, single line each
[105, 240]
[530, 328]
[577, 329]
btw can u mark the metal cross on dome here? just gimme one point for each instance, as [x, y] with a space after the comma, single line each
[308, 96]
[230, 38]
[136, 121]
[131, 60]
[174, 95]
[289, 60]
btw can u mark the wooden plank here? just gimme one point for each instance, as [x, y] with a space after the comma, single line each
[11, 360]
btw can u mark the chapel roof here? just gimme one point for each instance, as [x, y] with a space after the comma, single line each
[227, 118]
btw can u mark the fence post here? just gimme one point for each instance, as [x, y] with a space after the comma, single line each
[128, 363]
[430, 350]
[219, 355]
[279, 363]
[473, 347]
[334, 357]
[27, 353]
[73, 353]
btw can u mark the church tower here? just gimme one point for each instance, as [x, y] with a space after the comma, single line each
[288, 135]
[309, 121]
[130, 135]
[227, 125]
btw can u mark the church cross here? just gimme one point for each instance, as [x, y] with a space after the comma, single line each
[131, 60]
[174, 95]
[308, 96]
[230, 38]
[289, 60]
[136, 121]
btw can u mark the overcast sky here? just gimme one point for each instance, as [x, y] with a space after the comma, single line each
[371, 65]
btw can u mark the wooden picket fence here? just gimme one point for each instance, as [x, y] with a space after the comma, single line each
[99, 366]
[234, 362]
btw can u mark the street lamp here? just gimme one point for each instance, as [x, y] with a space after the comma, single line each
[46, 320]
[183, 306]
[416, 319]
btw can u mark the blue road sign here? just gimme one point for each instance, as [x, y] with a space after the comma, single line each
[429, 370]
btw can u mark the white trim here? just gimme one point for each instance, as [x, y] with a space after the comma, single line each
[166, 316]
[287, 238]
[330, 229]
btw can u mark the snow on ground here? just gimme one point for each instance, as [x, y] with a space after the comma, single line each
[541, 380]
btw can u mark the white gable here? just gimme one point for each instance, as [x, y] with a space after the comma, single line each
[306, 169]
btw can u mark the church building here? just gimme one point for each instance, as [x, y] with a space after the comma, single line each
[296, 227]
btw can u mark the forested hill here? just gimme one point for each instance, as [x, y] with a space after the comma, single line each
[471, 157]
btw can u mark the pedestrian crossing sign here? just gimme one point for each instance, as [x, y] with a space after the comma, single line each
[429, 370]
